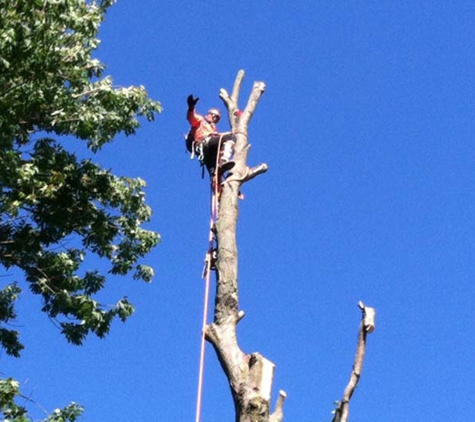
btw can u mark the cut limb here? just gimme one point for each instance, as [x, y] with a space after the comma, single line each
[367, 325]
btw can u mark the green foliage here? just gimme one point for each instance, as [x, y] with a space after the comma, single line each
[49, 80]
[57, 210]
[70, 413]
[9, 338]
[9, 391]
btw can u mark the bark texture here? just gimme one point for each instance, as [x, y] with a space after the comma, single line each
[250, 375]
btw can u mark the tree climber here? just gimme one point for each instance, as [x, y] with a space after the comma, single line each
[204, 139]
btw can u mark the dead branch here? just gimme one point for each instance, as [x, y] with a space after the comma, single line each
[237, 85]
[367, 325]
[239, 121]
[278, 415]
[257, 91]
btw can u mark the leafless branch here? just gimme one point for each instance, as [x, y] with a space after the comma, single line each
[278, 415]
[239, 121]
[257, 91]
[237, 85]
[367, 325]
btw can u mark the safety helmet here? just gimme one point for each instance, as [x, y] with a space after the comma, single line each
[214, 112]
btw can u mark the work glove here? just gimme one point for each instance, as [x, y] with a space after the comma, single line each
[191, 102]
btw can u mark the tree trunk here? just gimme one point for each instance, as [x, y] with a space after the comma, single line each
[250, 376]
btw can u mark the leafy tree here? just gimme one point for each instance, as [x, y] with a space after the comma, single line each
[56, 210]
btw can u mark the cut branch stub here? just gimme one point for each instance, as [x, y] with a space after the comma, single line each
[369, 316]
[278, 415]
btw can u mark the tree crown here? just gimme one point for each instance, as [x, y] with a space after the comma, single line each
[57, 209]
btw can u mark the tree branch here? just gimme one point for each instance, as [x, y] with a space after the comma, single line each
[367, 325]
[257, 91]
[239, 121]
[237, 85]
[278, 415]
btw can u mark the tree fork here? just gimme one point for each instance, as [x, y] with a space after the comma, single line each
[250, 375]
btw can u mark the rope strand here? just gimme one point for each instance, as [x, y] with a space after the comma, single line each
[207, 277]
[203, 341]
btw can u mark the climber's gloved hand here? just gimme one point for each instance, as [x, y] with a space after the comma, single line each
[191, 102]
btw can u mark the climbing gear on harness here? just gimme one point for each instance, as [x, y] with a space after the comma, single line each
[199, 150]
[215, 145]
[189, 141]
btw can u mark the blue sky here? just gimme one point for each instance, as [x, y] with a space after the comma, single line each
[367, 126]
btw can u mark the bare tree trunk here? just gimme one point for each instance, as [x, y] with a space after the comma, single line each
[250, 375]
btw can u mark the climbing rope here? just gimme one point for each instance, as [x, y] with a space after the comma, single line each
[207, 277]
[215, 192]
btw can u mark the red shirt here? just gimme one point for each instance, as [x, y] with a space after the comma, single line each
[200, 128]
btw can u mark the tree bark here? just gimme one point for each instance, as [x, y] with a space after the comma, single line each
[367, 326]
[250, 375]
